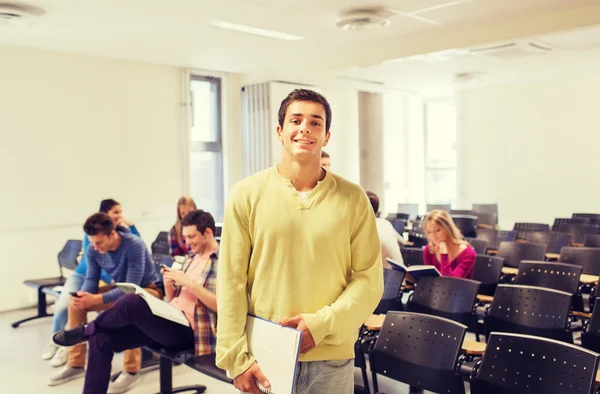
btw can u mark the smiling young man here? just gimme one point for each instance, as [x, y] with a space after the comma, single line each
[130, 323]
[125, 258]
[299, 247]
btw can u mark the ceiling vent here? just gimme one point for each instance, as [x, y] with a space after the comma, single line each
[364, 19]
[512, 50]
[18, 15]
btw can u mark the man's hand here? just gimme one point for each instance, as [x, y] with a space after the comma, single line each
[125, 221]
[86, 300]
[246, 382]
[298, 323]
[177, 277]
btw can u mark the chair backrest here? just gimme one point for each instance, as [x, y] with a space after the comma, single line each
[218, 230]
[559, 222]
[412, 256]
[588, 258]
[554, 241]
[398, 224]
[445, 296]
[494, 237]
[515, 252]
[486, 208]
[419, 350]
[462, 212]
[523, 364]
[67, 257]
[158, 260]
[161, 243]
[522, 228]
[392, 283]
[467, 224]
[489, 219]
[530, 310]
[443, 207]
[398, 215]
[411, 209]
[579, 231]
[590, 337]
[480, 245]
[592, 241]
[593, 218]
[557, 276]
[488, 270]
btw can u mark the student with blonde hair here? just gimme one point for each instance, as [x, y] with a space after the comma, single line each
[177, 245]
[447, 251]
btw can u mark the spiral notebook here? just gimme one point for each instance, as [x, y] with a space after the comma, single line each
[276, 349]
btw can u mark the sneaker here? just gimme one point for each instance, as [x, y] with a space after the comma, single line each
[69, 337]
[50, 351]
[60, 358]
[124, 382]
[65, 374]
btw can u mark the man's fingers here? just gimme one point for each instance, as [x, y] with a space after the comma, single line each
[258, 374]
[291, 322]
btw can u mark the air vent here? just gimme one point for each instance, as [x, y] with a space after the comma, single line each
[511, 50]
[363, 19]
[18, 15]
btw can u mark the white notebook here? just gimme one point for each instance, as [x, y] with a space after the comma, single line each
[157, 306]
[276, 349]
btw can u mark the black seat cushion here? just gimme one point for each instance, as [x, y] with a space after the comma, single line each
[177, 354]
[206, 365]
[46, 282]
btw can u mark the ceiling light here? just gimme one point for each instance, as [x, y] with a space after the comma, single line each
[16, 15]
[256, 31]
[363, 19]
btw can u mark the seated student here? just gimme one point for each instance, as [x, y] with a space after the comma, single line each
[389, 238]
[129, 323]
[446, 250]
[177, 246]
[125, 258]
[56, 355]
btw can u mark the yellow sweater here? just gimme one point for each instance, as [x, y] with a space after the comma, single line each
[280, 257]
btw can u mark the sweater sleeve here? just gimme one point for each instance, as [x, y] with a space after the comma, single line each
[92, 273]
[232, 352]
[134, 274]
[464, 265]
[134, 230]
[336, 323]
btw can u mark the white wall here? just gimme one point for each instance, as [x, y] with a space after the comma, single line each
[532, 148]
[74, 130]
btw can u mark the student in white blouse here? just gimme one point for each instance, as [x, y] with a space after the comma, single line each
[389, 238]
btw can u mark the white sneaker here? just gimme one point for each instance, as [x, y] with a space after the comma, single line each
[60, 358]
[124, 382]
[50, 351]
[65, 374]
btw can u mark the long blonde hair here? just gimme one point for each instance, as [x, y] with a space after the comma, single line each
[182, 201]
[444, 220]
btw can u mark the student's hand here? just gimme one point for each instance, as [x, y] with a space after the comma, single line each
[86, 300]
[125, 221]
[298, 323]
[246, 382]
[442, 248]
[178, 277]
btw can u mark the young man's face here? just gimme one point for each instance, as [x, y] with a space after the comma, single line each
[303, 134]
[102, 243]
[194, 238]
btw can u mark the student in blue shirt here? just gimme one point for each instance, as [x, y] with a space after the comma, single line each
[58, 356]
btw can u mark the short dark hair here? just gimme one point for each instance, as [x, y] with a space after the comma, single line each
[324, 154]
[305, 95]
[201, 219]
[107, 205]
[98, 223]
[374, 201]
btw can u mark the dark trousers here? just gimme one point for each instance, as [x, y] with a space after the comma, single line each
[128, 324]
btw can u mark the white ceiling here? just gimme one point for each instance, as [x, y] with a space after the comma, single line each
[178, 32]
[572, 52]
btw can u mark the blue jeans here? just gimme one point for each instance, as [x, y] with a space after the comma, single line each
[61, 306]
[325, 377]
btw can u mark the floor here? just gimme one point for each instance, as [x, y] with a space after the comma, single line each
[24, 371]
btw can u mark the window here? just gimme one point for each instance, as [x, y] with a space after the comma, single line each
[206, 149]
[440, 152]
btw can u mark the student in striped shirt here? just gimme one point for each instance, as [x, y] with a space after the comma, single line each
[125, 258]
